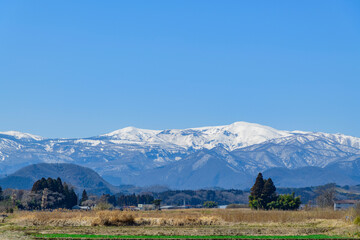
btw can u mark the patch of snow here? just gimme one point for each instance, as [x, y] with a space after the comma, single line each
[201, 162]
[159, 159]
[89, 142]
[20, 135]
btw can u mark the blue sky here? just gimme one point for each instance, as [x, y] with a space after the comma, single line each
[83, 68]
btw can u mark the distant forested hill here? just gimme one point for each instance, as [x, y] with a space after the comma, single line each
[78, 177]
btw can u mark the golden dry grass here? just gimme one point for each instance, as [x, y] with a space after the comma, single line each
[189, 217]
[234, 215]
[187, 222]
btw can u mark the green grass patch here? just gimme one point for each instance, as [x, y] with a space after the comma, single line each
[80, 236]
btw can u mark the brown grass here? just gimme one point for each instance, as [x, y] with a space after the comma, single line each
[113, 218]
[249, 216]
[189, 217]
[187, 222]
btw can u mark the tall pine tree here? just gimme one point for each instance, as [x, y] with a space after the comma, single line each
[255, 200]
[268, 193]
[258, 187]
[84, 197]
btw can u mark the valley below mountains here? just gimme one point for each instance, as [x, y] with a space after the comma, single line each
[227, 156]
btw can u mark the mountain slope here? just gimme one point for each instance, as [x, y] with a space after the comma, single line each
[202, 169]
[342, 173]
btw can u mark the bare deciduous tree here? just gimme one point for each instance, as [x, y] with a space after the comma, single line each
[326, 195]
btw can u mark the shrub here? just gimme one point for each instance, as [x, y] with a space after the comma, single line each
[114, 218]
[210, 204]
[103, 206]
[357, 221]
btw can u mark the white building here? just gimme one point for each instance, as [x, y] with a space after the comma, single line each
[344, 204]
[77, 207]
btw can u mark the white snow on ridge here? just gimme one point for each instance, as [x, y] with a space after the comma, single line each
[233, 136]
[342, 139]
[89, 142]
[20, 135]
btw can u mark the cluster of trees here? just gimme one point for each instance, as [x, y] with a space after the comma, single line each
[109, 201]
[54, 194]
[263, 196]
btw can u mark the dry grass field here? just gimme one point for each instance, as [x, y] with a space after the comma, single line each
[183, 222]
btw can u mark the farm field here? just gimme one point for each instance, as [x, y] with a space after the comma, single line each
[189, 223]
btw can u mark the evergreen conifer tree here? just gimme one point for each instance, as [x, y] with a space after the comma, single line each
[268, 193]
[255, 200]
[59, 185]
[258, 187]
[84, 197]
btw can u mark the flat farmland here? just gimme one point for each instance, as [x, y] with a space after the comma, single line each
[189, 223]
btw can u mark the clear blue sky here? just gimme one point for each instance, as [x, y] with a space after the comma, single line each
[83, 68]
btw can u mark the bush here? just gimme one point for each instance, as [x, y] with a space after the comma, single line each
[103, 206]
[114, 218]
[210, 204]
[285, 202]
[357, 221]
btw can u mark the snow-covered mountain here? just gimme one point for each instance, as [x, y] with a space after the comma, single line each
[223, 156]
[233, 136]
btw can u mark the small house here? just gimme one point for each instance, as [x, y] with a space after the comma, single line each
[77, 207]
[344, 204]
[146, 207]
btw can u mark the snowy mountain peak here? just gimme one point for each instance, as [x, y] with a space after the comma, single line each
[133, 135]
[233, 136]
[20, 135]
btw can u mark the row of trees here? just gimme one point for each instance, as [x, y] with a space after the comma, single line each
[122, 200]
[199, 197]
[134, 200]
[263, 196]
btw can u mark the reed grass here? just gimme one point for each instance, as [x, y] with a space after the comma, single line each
[188, 217]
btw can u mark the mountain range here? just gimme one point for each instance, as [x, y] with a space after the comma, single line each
[222, 156]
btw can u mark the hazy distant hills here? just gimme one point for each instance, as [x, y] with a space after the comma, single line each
[341, 173]
[221, 156]
[78, 177]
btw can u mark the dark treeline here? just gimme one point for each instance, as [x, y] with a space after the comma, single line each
[119, 200]
[199, 197]
[134, 200]
[178, 197]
